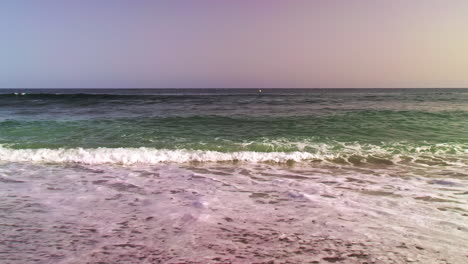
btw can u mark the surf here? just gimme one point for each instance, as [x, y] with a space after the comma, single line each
[454, 155]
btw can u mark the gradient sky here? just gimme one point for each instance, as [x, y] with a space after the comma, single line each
[233, 43]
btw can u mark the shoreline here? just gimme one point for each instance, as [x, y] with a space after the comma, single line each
[229, 213]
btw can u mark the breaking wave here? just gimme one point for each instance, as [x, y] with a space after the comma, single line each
[440, 154]
[130, 156]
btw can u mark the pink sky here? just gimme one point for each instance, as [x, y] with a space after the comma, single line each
[315, 43]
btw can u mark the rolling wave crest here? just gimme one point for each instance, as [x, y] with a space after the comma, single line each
[352, 154]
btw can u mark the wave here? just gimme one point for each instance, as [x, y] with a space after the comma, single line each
[357, 154]
[73, 96]
[177, 94]
[128, 156]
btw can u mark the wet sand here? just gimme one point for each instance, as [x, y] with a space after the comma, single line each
[231, 213]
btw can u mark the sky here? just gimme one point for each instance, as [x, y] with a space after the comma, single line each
[233, 43]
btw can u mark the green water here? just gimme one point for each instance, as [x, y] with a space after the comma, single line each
[363, 123]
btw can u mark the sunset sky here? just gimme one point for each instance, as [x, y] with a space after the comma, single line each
[237, 43]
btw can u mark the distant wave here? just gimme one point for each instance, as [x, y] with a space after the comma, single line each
[116, 95]
[68, 95]
[454, 155]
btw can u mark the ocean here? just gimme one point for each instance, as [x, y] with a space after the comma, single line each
[234, 176]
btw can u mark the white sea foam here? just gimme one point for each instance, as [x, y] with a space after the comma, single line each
[454, 155]
[130, 156]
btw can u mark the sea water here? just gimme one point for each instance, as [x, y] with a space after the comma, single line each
[234, 176]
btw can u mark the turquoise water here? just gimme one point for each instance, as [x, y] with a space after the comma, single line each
[234, 176]
[351, 126]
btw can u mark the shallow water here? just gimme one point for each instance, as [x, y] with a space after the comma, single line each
[230, 176]
[224, 213]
